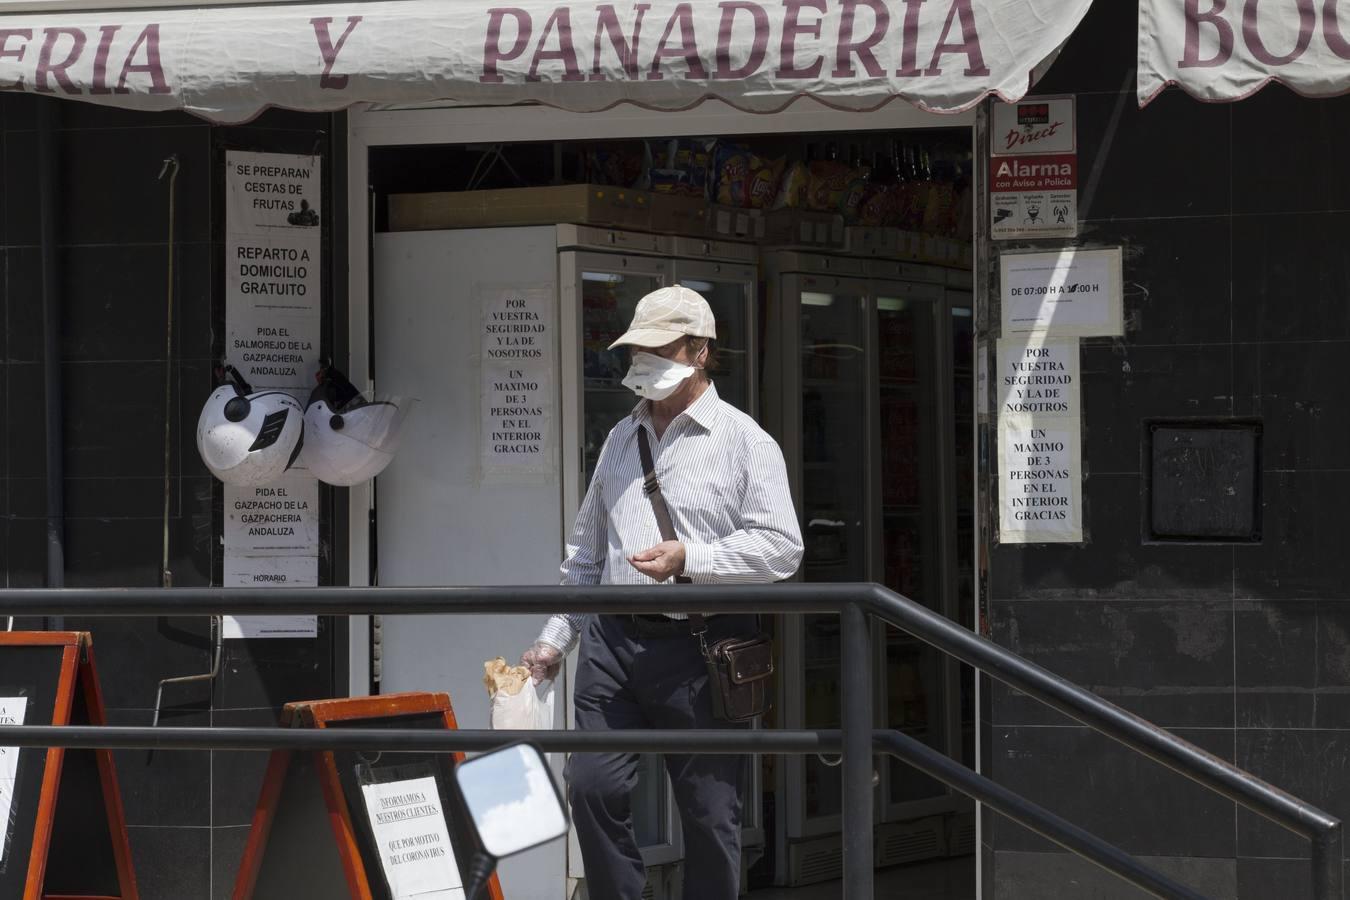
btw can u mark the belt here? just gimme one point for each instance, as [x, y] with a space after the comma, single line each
[656, 625]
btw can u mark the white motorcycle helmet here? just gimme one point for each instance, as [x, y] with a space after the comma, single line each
[248, 438]
[348, 439]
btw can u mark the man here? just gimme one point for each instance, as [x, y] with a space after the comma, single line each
[726, 485]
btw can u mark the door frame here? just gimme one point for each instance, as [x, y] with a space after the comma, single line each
[371, 126]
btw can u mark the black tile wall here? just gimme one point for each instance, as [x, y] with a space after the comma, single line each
[1307, 763]
[1175, 277]
[1095, 59]
[1142, 172]
[184, 809]
[21, 188]
[1288, 271]
[23, 305]
[1288, 153]
[242, 771]
[172, 863]
[1300, 556]
[162, 787]
[1276, 664]
[1123, 384]
[1113, 563]
[272, 673]
[1119, 795]
[227, 852]
[1024, 875]
[1232, 219]
[1171, 663]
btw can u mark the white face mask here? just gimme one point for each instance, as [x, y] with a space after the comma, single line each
[654, 377]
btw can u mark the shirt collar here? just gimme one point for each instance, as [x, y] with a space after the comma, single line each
[705, 411]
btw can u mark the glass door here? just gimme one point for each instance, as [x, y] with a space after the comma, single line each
[961, 309]
[833, 504]
[729, 289]
[907, 318]
[601, 292]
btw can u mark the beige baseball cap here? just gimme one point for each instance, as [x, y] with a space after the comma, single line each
[668, 314]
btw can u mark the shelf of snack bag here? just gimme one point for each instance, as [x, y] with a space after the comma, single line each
[901, 204]
[878, 197]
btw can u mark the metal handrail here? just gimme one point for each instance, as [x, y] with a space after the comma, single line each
[778, 741]
[851, 601]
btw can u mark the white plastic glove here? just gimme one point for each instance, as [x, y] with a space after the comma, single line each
[543, 660]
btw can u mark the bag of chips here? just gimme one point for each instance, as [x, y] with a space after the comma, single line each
[745, 179]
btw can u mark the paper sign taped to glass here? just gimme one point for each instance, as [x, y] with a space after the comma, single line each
[416, 855]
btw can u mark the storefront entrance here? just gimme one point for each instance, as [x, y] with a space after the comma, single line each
[857, 359]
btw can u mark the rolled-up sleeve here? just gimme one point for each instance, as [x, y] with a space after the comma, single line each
[768, 545]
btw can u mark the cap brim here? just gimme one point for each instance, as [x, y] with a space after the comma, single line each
[647, 337]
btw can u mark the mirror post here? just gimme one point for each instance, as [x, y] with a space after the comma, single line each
[480, 870]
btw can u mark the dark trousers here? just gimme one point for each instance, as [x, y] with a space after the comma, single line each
[629, 680]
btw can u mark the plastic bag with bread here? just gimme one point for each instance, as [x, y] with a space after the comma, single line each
[516, 703]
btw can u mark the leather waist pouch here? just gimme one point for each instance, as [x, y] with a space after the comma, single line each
[740, 676]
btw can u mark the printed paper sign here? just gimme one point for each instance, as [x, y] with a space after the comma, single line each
[273, 299]
[273, 267]
[1040, 480]
[255, 627]
[518, 392]
[276, 519]
[1033, 170]
[1038, 376]
[414, 844]
[1063, 292]
[271, 571]
[12, 711]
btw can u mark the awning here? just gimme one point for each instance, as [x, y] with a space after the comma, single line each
[1230, 49]
[227, 64]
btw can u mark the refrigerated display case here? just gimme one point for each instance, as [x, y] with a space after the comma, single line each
[602, 275]
[860, 376]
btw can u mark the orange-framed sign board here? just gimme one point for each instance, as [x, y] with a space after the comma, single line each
[368, 826]
[65, 834]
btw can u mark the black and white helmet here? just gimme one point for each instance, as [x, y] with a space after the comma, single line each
[349, 439]
[248, 438]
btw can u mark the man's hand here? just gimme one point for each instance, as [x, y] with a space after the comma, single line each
[543, 661]
[663, 561]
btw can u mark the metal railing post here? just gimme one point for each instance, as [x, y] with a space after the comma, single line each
[1327, 864]
[856, 718]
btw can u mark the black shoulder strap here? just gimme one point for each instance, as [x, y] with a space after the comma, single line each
[652, 488]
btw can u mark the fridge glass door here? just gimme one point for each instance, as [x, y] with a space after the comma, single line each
[609, 288]
[730, 291]
[833, 508]
[911, 500]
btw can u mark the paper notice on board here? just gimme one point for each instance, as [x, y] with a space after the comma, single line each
[280, 518]
[416, 855]
[1063, 292]
[517, 383]
[12, 711]
[273, 267]
[1040, 481]
[1038, 376]
[270, 571]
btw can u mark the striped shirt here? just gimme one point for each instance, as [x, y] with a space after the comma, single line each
[726, 485]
